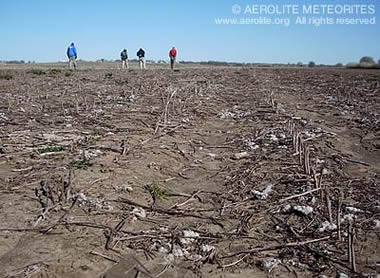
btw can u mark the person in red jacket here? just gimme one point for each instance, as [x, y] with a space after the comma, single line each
[172, 56]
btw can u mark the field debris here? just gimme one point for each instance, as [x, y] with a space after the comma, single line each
[235, 114]
[353, 210]
[271, 263]
[327, 226]
[304, 210]
[90, 154]
[241, 155]
[139, 212]
[263, 194]
[205, 172]
[188, 237]
[376, 223]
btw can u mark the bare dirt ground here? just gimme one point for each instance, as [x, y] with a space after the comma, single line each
[219, 172]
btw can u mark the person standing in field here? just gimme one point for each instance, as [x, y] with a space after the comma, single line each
[172, 56]
[141, 55]
[124, 59]
[72, 55]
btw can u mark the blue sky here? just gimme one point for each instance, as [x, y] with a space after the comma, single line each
[41, 30]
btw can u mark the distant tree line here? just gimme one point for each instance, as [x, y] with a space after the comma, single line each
[365, 62]
[216, 63]
[17, 62]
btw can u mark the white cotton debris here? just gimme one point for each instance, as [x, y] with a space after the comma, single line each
[226, 115]
[263, 194]
[81, 198]
[343, 275]
[287, 208]
[233, 115]
[211, 155]
[128, 188]
[254, 147]
[102, 204]
[250, 144]
[207, 248]
[353, 209]
[3, 117]
[189, 237]
[327, 226]
[376, 223]
[123, 187]
[273, 137]
[139, 212]
[96, 203]
[109, 134]
[308, 134]
[348, 217]
[132, 98]
[164, 229]
[319, 161]
[90, 154]
[241, 155]
[306, 210]
[178, 252]
[271, 263]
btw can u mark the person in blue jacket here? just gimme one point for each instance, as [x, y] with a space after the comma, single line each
[72, 55]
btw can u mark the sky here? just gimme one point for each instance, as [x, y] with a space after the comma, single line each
[41, 30]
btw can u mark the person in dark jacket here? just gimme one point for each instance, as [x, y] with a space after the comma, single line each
[172, 56]
[72, 55]
[124, 59]
[141, 55]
